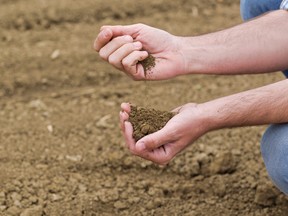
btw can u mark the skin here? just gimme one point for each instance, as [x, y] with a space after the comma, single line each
[257, 46]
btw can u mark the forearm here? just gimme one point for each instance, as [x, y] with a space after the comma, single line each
[265, 105]
[257, 46]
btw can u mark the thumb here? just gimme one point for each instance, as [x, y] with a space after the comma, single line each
[157, 139]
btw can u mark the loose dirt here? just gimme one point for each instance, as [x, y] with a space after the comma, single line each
[61, 150]
[148, 63]
[146, 121]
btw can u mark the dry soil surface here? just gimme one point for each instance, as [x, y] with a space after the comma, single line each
[61, 151]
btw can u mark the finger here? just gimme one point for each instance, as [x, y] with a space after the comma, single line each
[161, 155]
[131, 64]
[102, 39]
[159, 138]
[130, 142]
[113, 45]
[119, 30]
[123, 117]
[117, 57]
[126, 107]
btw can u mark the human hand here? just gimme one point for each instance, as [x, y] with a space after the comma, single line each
[160, 147]
[124, 46]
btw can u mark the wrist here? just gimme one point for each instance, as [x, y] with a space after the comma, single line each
[211, 117]
[198, 54]
[180, 45]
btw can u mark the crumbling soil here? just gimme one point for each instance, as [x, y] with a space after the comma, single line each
[146, 121]
[61, 150]
[148, 63]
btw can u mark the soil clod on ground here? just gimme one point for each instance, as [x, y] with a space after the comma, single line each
[147, 120]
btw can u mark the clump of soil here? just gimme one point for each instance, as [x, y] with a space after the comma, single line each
[147, 120]
[148, 63]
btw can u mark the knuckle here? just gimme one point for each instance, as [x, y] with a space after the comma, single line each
[112, 60]
[140, 25]
[140, 152]
[117, 39]
[125, 63]
[102, 55]
[122, 39]
[153, 141]
[130, 46]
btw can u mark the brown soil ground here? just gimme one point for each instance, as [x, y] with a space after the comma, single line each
[61, 150]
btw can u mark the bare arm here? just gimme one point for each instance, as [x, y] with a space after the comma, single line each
[257, 46]
[264, 105]
[253, 47]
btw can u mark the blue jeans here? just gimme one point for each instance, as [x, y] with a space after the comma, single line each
[274, 144]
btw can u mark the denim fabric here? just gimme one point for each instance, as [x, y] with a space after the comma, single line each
[254, 8]
[284, 5]
[274, 148]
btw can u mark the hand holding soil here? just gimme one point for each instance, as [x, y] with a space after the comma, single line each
[161, 145]
[125, 47]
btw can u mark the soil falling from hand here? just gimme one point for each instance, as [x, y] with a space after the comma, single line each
[146, 120]
[148, 64]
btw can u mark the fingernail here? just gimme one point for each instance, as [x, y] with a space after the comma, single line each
[140, 146]
[137, 44]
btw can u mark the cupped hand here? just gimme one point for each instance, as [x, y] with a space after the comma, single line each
[125, 46]
[160, 147]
